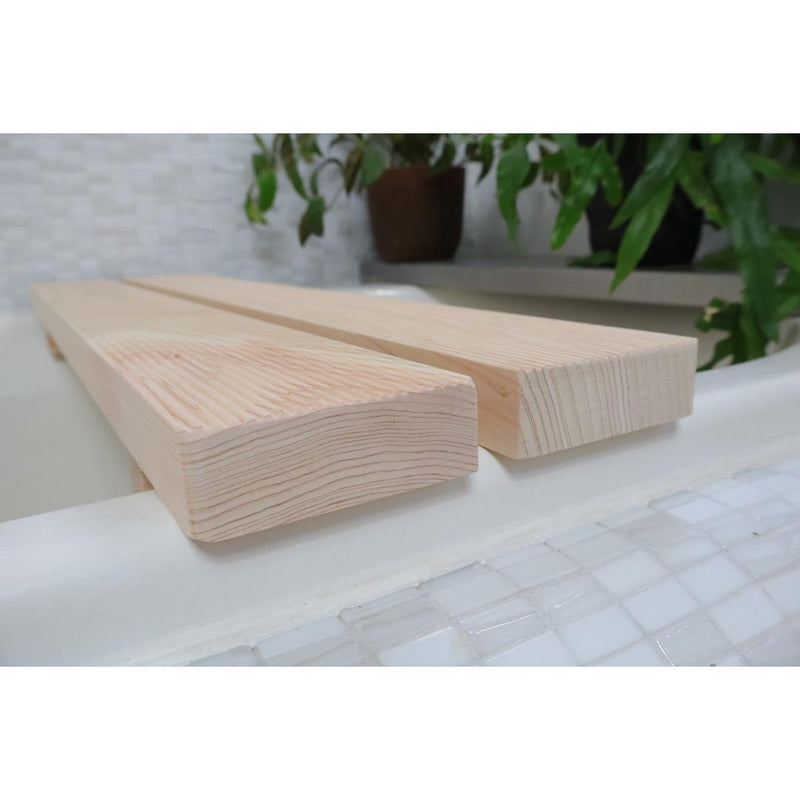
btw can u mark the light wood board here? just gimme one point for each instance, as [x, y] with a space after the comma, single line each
[543, 385]
[241, 425]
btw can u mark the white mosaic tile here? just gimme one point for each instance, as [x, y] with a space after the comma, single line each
[501, 625]
[744, 494]
[672, 500]
[393, 625]
[710, 487]
[688, 549]
[380, 604]
[730, 529]
[713, 579]
[343, 654]
[515, 556]
[693, 642]
[780, 647]
[450, 578]
[745, 615]
[765, 555]
[785, 591]
[624, 517]
[752, 475]
[790, 465]
[562, 601]
[324, 629]
[441, 648]
[599, 548]
[540, 569]
[628, 573]
[697, 510]
[660, 605]
[238, 657]
[772, 514]
[543, 651]
[655, 530]
[574, 535]
[600, 634]
[779, 484]
[642, 654]
[458, 598]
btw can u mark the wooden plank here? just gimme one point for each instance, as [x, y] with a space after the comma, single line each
[241, 425]
[543, 385]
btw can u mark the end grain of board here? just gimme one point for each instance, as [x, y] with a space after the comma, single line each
[544, 385]
[241, 425]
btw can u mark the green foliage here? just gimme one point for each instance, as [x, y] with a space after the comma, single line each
[723, 175]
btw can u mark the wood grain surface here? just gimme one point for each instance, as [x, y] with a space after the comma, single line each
[241, 425]
[543, 385]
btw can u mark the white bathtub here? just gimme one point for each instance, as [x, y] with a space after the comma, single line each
[91, 573]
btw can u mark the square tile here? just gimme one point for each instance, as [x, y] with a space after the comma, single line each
[238, 657]
[629, 573]
[450, 578]
[574, 535]
[750, 475]
[336, 651]
[714, 579]
[765, 555]
[643, 654]
[515, 556]
[324, 629]
[790, 465]
[403, 621]
[743, 494]
[793, 498]
[779, 484]
[543, 651]
[498, 627]
[779, 648]
[730, 529]
[373, 607]
[600, 634]
[773, 514]
[481, 590]
[599, 548]
[697, 510]
[537, 570]
[661, 604]
[785, 591]
[654, 530]
[671, 500]
[693, 642]
[444, 647]
[345, 653]
[623, 518]
[565, 600]
[709, 487]
[686, 550]
[745, 615]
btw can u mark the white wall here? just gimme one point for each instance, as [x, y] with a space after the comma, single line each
[85, 206]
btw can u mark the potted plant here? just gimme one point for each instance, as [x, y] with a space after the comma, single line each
[414, 185]
[639, 206]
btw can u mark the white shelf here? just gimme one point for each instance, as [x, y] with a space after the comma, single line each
[551, 276]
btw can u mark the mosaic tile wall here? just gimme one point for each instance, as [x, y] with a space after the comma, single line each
[705, 577]
[85, 206]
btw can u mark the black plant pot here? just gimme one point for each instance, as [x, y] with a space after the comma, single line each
[676, 240]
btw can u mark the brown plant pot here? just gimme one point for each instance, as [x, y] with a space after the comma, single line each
[416, 216]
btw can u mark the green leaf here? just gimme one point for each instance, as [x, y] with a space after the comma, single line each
[446, 158]
[512, 169]
[745, 210]
[373, 164]
[724, 259]
[610, 179]
[640, 231]
[719, 315]
[267, 186]
[722, 349]
[312, 223]
[350, 170]
[587, 169]
[788, 251]
[252, 211]
[308, 147]
[658, 172]
[486, 155]
[602, 258]
[290, 164]
[259, 161]
[770, 168]
[533, 171]
[260, 142]
[695, 182]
